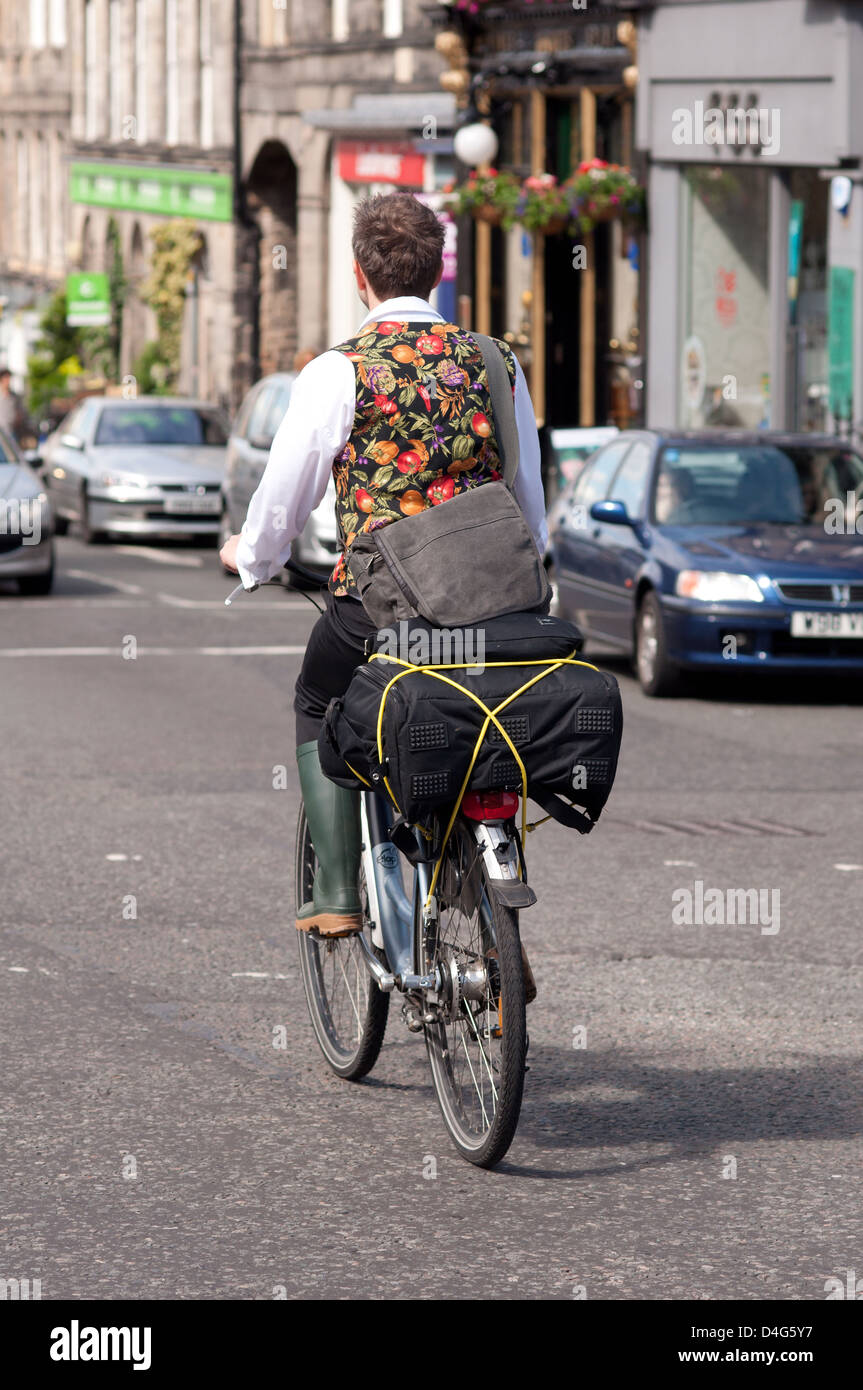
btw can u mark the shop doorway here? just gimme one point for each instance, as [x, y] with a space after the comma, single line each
[563, 288]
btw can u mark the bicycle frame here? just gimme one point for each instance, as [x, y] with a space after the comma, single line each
[391, 911]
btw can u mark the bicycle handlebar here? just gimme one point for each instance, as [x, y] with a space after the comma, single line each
[313, 580]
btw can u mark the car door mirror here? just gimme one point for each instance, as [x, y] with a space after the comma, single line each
[72, 441]
[614, 513]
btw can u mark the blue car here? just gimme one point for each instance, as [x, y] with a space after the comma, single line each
[716, 550]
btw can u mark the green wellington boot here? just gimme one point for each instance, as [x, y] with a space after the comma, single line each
[333, 814]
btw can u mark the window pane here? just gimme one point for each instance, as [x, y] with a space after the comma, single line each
[726, 356]
[257, 431]
[809, 384]
[631, 479]
[593, 483]
[158, 425]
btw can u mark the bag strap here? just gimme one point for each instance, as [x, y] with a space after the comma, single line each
[502, 406]
[560, 810]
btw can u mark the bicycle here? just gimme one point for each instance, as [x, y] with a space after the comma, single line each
[449, 944]
[455, 955]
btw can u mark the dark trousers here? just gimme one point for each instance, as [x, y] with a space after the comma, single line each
[334, 652]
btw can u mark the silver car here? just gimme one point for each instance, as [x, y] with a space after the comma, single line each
[252, 434]
[26, 525]
[152, 466]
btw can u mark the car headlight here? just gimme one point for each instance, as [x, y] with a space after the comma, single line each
[714, 586]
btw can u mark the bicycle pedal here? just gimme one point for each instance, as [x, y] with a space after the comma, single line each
[412, 1018]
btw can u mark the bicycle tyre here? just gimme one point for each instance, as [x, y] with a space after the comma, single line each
[350, 1046]
[481, 1122]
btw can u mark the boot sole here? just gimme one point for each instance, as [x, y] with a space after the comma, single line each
[331, 923]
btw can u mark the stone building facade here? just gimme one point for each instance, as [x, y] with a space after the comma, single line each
[151, 138]
[319, 82]
[118, 115]
[35, 101]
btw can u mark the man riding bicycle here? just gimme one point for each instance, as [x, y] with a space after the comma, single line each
[378, 413]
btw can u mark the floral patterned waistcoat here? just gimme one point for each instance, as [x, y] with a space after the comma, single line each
[423, 428]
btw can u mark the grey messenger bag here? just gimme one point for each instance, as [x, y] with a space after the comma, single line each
[466, 560]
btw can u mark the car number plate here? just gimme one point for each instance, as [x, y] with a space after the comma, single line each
[827, 624]
[184, 503]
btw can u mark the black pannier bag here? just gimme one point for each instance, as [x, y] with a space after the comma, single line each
[566, 726]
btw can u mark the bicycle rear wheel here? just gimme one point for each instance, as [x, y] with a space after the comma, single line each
[478, 1044]
[347, 1009]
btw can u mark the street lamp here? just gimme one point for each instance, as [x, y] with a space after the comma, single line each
[475, 145]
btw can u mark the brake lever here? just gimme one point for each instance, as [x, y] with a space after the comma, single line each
[240, 589]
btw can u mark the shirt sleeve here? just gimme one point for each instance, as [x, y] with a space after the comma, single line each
[527, 488]
[316, 427]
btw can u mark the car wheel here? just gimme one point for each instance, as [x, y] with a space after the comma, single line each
[35, 584]
[86, 531]
[657, 675]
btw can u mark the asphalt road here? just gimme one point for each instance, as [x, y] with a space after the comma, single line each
[704, 1143]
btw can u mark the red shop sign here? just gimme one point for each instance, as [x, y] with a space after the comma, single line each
[368, 161]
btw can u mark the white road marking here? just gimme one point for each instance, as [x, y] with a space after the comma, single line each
[87, 603]
[106, 583]
[160, 557]
[152, 651]
[679, 863]
[19, 969]
[256, 975]
[115, 858]
[849, 868]
[268, 607]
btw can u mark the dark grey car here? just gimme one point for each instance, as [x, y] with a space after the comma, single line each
[26, 524]
[251, 437]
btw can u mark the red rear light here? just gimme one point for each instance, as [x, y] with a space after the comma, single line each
[490, 805]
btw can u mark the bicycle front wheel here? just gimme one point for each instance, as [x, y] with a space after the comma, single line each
[478, 1043]
[347, 1009]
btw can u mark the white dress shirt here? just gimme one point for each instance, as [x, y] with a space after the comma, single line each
[316, 428]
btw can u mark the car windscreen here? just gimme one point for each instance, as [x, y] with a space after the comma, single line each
[721, 484]
[152, 424]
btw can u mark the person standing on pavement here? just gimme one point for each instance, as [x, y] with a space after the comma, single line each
[13, 417]
[380, 413]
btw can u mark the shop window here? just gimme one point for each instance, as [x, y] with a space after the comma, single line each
[808, 386]
[726, 353]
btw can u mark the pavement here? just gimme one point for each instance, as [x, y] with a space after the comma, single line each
[692, 1116]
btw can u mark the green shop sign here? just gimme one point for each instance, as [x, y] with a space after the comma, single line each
[841, 342]
[160, 189]
[88, 300]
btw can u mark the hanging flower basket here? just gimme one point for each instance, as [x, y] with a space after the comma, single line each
[596, 192]
[487, 212]
[491, 196]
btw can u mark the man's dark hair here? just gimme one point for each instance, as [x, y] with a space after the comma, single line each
[4, 372]
[398, 242]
